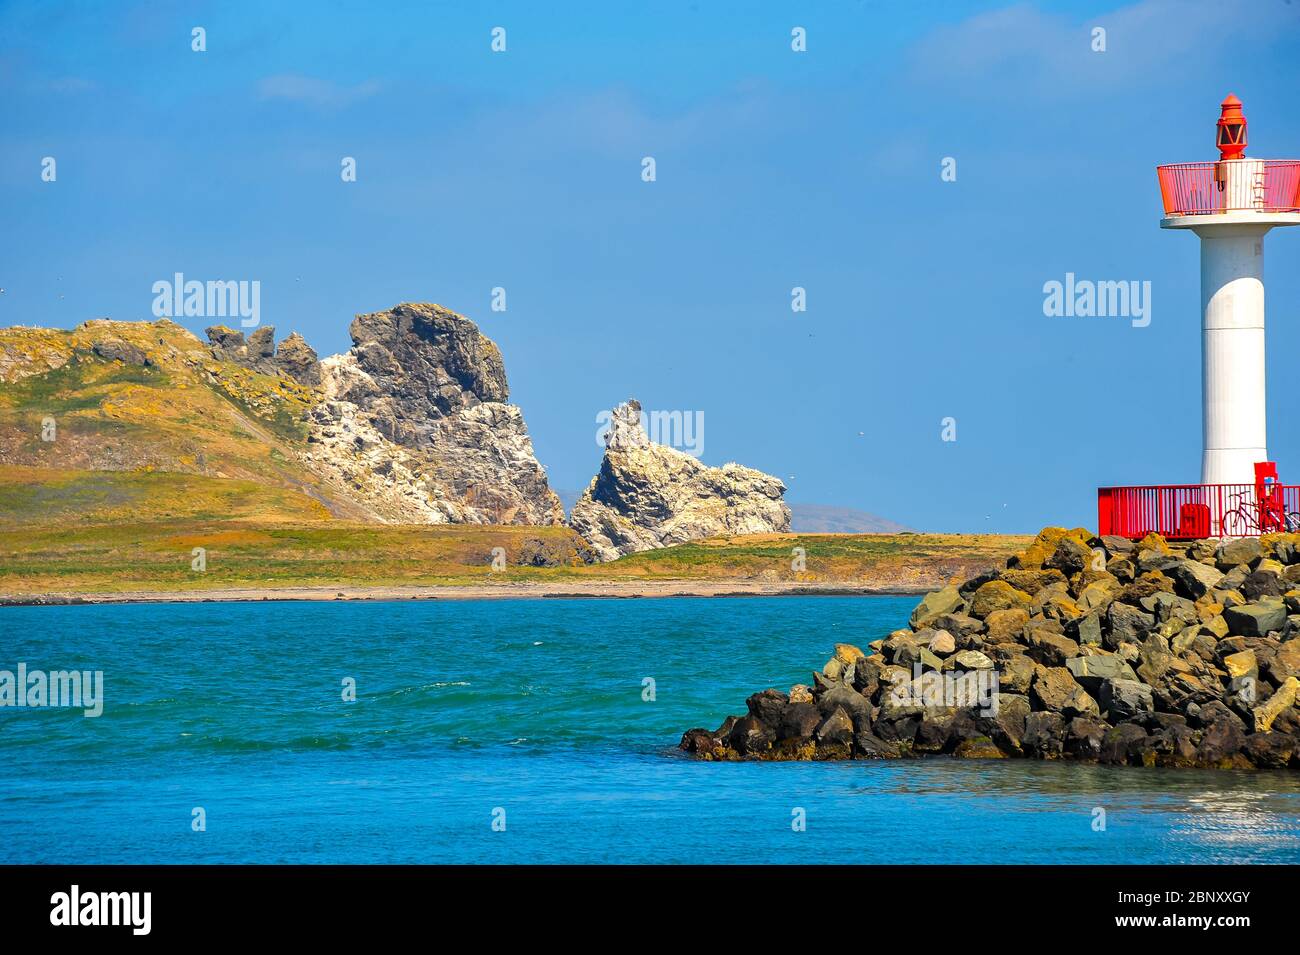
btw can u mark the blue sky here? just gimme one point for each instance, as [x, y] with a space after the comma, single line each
[775, 169]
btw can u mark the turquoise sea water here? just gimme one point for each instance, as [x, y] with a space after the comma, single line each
[535, 708]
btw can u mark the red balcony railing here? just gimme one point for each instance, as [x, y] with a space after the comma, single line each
[1192, 511]
[1239, 185]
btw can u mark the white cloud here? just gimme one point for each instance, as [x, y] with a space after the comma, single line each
[297, 88]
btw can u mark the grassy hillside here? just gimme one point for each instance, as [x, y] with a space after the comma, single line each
[128, 400]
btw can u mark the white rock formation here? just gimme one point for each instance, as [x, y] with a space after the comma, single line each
[648, 495]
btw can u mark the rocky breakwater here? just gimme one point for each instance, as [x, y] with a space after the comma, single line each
[648, 495]
[1100, 649]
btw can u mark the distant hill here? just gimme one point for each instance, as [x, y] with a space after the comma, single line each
[828, 519]
[809, 518]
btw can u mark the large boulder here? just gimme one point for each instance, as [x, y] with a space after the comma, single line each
[998, 595]
[1056, 690]
[1002, 626]
[1257, 619]
[1234, 553]
[1126, 744]
[1194, 578]
[1273, 707]
[934, 604]
[1124, 700]
[768, 707]
[1092, 671]
[1270, 750]
[835, 730]
[1128, 624]
[1083, 737]
[1221, 745]
[1044, 735]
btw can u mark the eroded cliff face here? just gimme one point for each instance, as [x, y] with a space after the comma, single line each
[414, 419]
[648, 495]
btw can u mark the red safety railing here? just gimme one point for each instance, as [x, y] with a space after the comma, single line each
[1238, 185]
[1192, 511]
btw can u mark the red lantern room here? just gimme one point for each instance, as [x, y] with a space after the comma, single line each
[1232, 129]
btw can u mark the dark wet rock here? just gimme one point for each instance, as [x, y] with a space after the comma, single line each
[1126, 744]
[900, 728]
[1083, 737]
[768, 707]
[844, 698]
[1006, 726]
[749, 737]
[1174, 745]
[699, 742]
[836, 729]
[1092, 671]
[1270, 750]
[799, 721]
[1221, 745]
[1044, 735]
[933, 732]
[867, 746]
[981, 747]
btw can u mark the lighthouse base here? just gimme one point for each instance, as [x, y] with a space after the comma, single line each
[1231, 465]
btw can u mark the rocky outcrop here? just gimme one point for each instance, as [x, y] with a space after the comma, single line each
[293, 359]
[1095, 649]
[298, 360]
[648, 495]
[414, 420]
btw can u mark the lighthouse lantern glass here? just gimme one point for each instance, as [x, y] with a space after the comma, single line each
[1230, 134]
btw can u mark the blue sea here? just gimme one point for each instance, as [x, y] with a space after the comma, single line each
[534, 715]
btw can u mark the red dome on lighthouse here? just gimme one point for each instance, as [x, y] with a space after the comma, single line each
[1231, 137]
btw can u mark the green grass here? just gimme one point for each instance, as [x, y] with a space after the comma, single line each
[156, 556]
[67, 501]
[77, 386]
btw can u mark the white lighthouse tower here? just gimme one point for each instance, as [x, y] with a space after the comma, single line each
[1231, 204]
